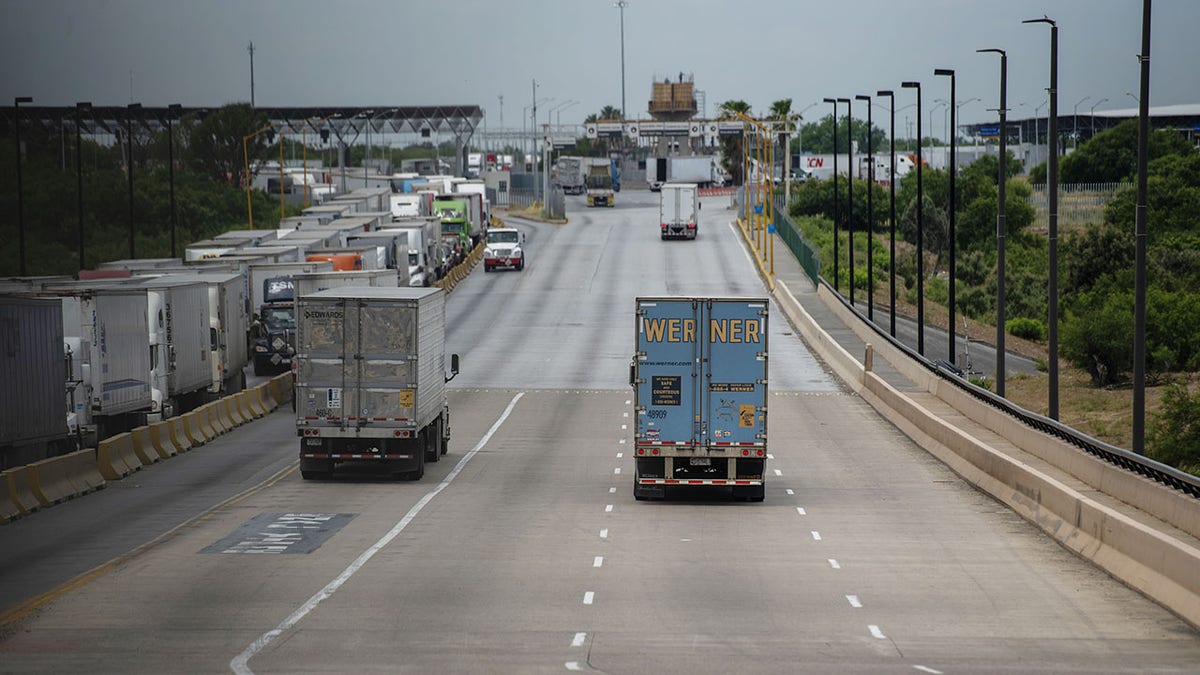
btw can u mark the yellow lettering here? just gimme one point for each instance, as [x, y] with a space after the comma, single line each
[752, 331]
[673, 330]
[654, 329]
[735, 330]
[716, 331]
[689, 330]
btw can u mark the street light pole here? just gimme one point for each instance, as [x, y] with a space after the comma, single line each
[129, 142]
[850, 192]
[1092, 114]
[870, 210]
[1001, 216]
[1139, 292]
[835, 192]
[946, 72]
[172, 109]
[79, 107]
[892, 185]
[1052, 232]
[920, 228]
[20, 191]
[1075, 121]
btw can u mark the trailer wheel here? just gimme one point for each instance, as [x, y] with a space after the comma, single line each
[416, 474]
[433, 433]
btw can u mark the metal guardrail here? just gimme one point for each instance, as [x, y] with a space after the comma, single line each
[1160, 473]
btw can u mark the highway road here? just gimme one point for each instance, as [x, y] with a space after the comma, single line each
[523, 550]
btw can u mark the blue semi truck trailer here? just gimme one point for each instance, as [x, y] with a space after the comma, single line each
[699, 377]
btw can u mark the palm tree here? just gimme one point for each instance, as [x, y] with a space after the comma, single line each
[731, 146]
[609, 112]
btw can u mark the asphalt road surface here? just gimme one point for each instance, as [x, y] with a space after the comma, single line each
[523, 550]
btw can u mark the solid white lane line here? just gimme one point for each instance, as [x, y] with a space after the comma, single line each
[790, 491]
[608, 508]
[579, 639]
[834, 564]
[876, 632]
[598, 561]
[816, 535]
[604, 533]
[854, 601]
[240, 663]
[588, 597]
[801, 511]
[927, 669]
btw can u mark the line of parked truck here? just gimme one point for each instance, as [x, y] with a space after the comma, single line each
[134, 341]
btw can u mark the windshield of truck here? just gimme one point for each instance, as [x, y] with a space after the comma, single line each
[503, 237]
[279, 318]
[451, 228]
[414, 258]
[448, 212]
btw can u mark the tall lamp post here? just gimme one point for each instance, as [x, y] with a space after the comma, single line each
[1075, 121]
[172, 110]
[952, 131]
[850, 192]
[892, 238]
[1092, 114]
[20, 191]
[1139, 281]
[246, 166]
[834, 102]
[870, 210]
[129, 139]
[79, 108]
[920, 228]
[1001, 216]
[1052, 232]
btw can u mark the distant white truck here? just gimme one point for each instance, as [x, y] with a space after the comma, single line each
[700, 169]
[679, 210]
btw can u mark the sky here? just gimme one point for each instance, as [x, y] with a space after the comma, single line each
[380, 53]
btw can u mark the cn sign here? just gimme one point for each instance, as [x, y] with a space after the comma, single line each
[816, 162]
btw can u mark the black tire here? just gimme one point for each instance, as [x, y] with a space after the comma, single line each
[521, 265]
[419, 472]
[431, 437]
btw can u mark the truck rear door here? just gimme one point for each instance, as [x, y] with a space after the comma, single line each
[668, 357]
[735, 373]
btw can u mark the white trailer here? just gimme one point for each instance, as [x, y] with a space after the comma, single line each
[371, 379]
[312, 282]
[679, 211]
[229, 328]
[177, 318]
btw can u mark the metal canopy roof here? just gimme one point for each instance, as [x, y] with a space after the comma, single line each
[459, 120]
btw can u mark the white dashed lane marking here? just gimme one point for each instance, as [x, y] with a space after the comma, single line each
[854, 601]
[598, 561]
[800, 510]
[816, 535]
[834, 564]
[579, 639]
[588, 597]
[875, 632]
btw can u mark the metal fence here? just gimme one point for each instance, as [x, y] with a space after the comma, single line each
[805, 253]
[1078, 203]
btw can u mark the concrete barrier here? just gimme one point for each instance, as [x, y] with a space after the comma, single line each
[193, 428]
[254, 397]
[116, 458]
[51, 482]
[233, 409]
[143, 446]
[209, 412]
[267, 392]
[281, 388]
[83, 470]
[160, 440]
[19, 490]
[220, 413]
[177, 435]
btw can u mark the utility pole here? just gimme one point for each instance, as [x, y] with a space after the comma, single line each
[250, 48]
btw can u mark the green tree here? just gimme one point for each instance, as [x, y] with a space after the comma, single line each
[817, 137]
[1175, 432]
[216, 147]
[1111, 156]
[732, 149]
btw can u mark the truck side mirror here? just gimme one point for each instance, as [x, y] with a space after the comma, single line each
[453, 367]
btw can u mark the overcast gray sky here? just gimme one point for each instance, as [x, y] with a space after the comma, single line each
[432, 52]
